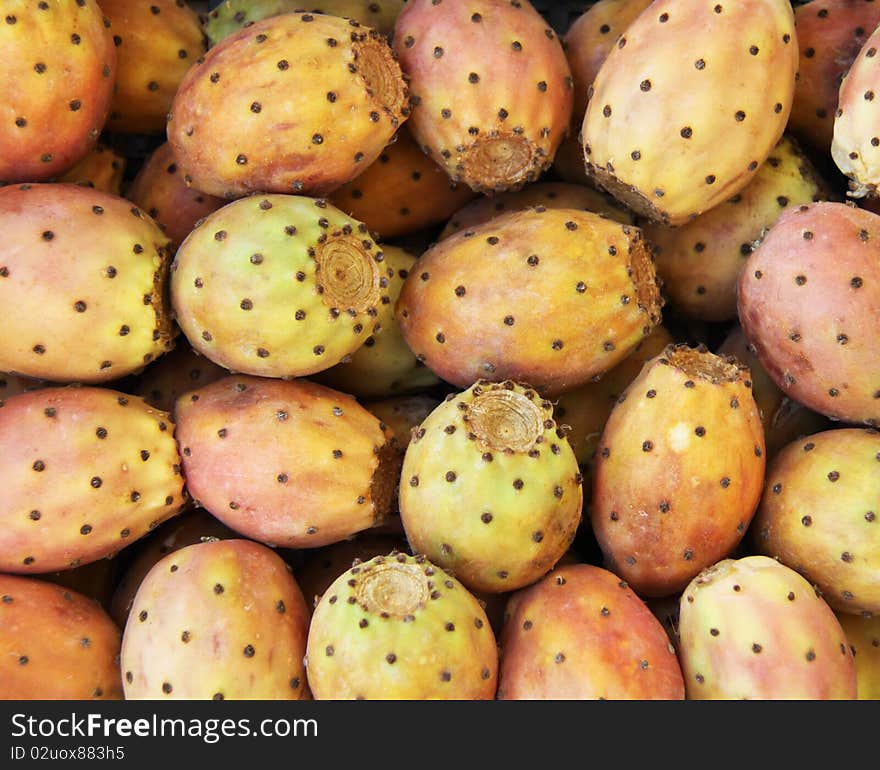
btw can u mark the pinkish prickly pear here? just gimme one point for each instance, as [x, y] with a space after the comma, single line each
[217, 620]
[752, 628]
[400, 627]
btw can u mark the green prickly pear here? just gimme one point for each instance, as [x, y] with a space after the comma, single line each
[399, 627]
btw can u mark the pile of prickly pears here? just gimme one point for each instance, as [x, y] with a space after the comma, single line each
[440, 349]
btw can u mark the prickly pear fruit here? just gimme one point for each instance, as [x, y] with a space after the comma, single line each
[491, 89]
[589, 40]
[856, 134]
[679, 471]
[400, 627]
[699, 262]
[217, 620]
[403, 414]
[156, 43]
[585, 409]
[102, 168]
[677, 170]
[402, 191]
[490, 489]
[174, 374]
[86, 472]
[58, 70]
[82, 284]
[192, 526]
[808, 300]
[158, 188]
[230, 16]
[818, 515]
[752, 628]
[55, 644]
[580, 633]
[234, 299]
[830, 35]
[550, 297]
[384, 365]
[297, 103]
[289, 463]
[863, 635]
[551, 195]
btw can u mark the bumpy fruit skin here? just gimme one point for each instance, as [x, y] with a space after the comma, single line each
[818, 515]
[102, 168]
[384, 365]
[830, 35]
[156, 43]
[190, 527]
[550, 297]
[491, 89]
[752, 628]
[399, 627]
[86, 472]
[82, 284]
[403, 191]
[230, 16]
[857, 123]
[158, 188]
[217, 620]
[679, 471]
[580, 633]
[863, 635]
[234, 299]
[59, 66]
[808, 300]
[278, 108]
[699, 262]
[703, 148]
[551, 195]
[490, 489]
[55, 644]
[289, 463]
[589, 40]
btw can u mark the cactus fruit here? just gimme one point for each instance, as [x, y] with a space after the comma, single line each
[58, 70]
[192, 526]
[156, 43]
[234, 299]
[296, 103]
[402, 191]
[229, 16]
[490, 489]
[863, 635]
[174, 374]
[55, 644]
[82, 284]
[384, 365]
[675, 171]
[818, 515]
[830, 35]
[580, 633]
[679, 471]
[400, 627]
[549, 297]
[589, 40]
[807, 301]
[855, 139]
[217, 620]
[551, 195]
[102, 168]
[491, 89]
[86, 471]
[752, 628]
[289, 463]
[158, 188]
[699, 262]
